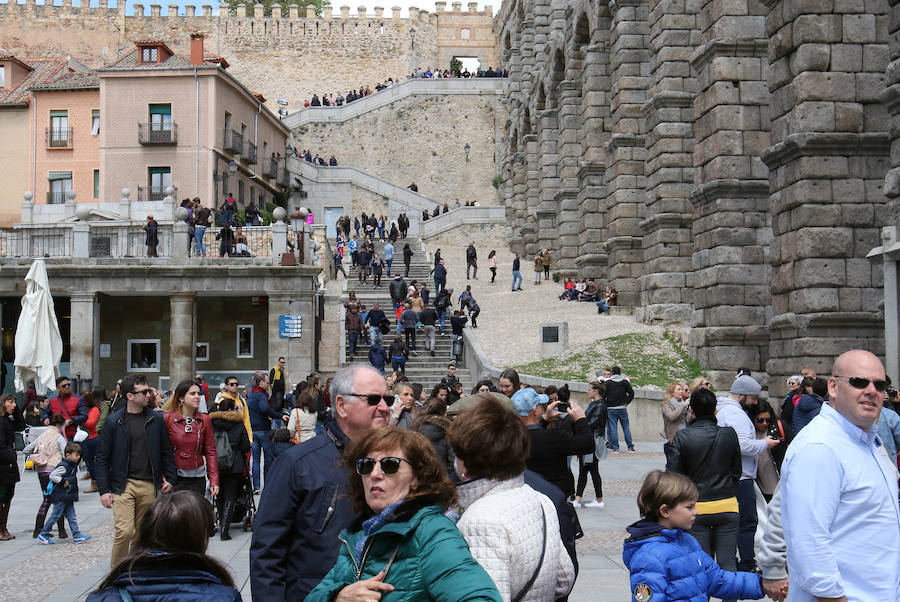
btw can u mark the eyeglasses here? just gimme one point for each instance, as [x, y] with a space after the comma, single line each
[374, 399]
[140, 392]
[861, 383]
[231, 384]
[389, 465]
[65, 385]
[706, 385]
[763, 420]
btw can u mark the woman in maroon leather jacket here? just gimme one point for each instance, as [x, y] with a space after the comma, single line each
[191, 434]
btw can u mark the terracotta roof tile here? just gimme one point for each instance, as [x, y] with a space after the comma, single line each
[75, 81]
[43, 71]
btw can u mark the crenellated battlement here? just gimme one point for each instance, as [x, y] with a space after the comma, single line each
[279, 12]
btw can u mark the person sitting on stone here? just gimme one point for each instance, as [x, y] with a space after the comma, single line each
[604, 305]
[590, 293]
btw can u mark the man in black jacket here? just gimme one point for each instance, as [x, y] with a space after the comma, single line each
[710, 455]
[471, 261]
[550, 448]
[305, 504]
[398, 291]
[134, 461]
[618, 395]
[373, 322]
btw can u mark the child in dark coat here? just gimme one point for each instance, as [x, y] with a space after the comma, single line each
[281, 442]
[63, 493]
[668, 564]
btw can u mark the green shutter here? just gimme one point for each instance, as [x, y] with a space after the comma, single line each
[59, 114]
[155, 170]
[95, 113]
[161, 109]
[96, 183]
[59, 175]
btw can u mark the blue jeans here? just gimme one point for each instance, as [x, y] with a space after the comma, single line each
[199, 231]
[66, 509]
[746, 496]
[389, 262]
[229, 214]
[441, 315]
[439, 286]
[375, 334]
[617, 415]
[602, 307]
[354, 336]
[398, 363]
[260, 440]
[517, 276]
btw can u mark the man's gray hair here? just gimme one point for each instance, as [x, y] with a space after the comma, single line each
[345, 379]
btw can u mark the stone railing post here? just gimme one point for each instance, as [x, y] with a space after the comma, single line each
[81, 240]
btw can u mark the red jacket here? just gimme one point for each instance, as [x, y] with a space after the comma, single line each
[191, 448]
[71, 408]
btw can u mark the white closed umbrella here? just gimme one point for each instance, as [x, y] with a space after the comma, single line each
[38, 342]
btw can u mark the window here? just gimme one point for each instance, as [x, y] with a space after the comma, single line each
[96, 183]
[95, 122]
[241, 192]
[465, 33]
[160, 117]
[143, 355]
[245, 340]
[149, 55]
[2, 76]
[201, 352]
[159, 178]
[60, 184]
[59, 128]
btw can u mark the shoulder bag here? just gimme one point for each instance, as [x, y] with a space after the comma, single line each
[540, 562]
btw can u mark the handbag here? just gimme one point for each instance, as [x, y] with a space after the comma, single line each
[600, 449]
[296, 439]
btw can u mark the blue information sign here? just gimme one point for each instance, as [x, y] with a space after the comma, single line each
[289, 327]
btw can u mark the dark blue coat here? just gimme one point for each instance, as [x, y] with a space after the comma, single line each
[377, 355]
[61, 493]
[807, 408]
[302, 511]
[671, 564]
[168, 586]
[111, 463]
[261, 414]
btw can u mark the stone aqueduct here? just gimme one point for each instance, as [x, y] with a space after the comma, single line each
[725, 164]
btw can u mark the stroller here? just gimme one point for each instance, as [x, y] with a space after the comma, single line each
[244, 505]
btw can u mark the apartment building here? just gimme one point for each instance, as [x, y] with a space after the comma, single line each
[186, 122]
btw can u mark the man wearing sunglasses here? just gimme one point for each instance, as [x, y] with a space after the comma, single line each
[304, 507]
[839, 493]
[134, 462]
[69, 406]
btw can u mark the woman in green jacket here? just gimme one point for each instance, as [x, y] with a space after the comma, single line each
[401, 547]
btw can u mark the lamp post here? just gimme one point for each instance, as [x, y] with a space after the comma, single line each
[223, 176]
[303, 212]
[467, 148]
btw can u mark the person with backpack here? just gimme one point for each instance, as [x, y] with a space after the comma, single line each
[232, 447]
[63, 492]
[191, 434]
[46, 452]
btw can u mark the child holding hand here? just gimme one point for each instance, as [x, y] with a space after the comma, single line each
[63, 494]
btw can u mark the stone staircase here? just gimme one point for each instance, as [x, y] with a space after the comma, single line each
[421, 368]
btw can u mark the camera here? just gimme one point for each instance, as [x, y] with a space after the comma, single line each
[776, 430]
[892, 392]
[563, 407]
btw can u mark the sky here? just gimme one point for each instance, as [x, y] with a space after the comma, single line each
[336, 4]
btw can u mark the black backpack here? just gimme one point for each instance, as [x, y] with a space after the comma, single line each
[224, 451]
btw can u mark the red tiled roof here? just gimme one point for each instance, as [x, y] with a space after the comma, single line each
[43, 71]
[75, 81]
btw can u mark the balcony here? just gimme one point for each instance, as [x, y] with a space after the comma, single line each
[151, 134]
[58, 137]
[284, 177]
[56, 197]
[234, 142]
[270, 167]
[153, 193]
[250, 157]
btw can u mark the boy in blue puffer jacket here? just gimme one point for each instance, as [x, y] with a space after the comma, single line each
[63, 492]
[667, 564]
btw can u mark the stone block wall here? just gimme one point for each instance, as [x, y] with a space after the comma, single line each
[418, 139]
[288, 54]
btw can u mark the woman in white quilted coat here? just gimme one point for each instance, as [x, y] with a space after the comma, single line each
[508, 525]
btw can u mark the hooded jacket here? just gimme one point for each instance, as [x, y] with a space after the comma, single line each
[807, 408]
[618, 392]
[670, 565]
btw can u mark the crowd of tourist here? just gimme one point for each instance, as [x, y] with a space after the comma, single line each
[463, 73]
[367, 479]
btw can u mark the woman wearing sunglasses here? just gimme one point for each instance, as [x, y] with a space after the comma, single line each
[193, 442]
[401, 546]
[767, 473]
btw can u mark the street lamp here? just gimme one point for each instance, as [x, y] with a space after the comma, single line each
[467, 148]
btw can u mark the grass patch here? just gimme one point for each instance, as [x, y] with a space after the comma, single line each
[646, 358]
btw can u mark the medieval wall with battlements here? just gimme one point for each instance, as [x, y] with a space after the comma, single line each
[725, 164]
[289, 54]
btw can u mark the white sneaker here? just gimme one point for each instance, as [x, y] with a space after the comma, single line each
[595, 504]
[576, 503]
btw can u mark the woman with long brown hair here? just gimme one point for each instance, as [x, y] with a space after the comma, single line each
[193, 440]
[9, 466]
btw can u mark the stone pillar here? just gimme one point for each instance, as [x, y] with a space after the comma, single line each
[532, 195]
[592, 194]
[82, 334]
[279, 240]
[190, 10]
[891, 99]
[566, 200]
[297, 352]
[666, 218]
[731, 226]
[626, 151]
[181, 337]
[180, 241]
[827, 162]
[276, 12]
[81, 240]
[173, 11]
[547, 207]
